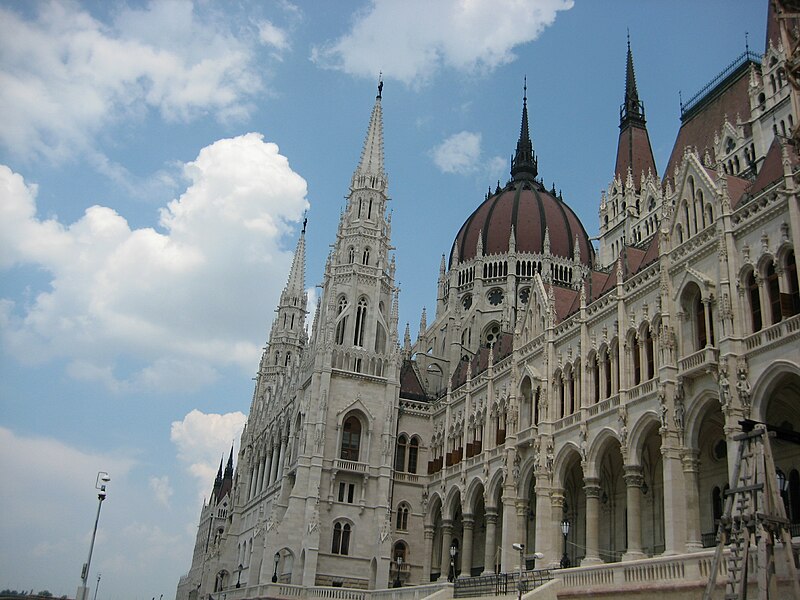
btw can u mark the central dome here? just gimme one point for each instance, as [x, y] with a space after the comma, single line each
[526, 206]
[530, 209]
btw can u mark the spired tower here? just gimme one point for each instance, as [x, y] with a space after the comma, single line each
[333, 504]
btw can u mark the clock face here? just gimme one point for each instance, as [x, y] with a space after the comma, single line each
[466, 301]
[495, 297]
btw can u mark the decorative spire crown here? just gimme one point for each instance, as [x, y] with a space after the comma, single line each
[370, 172]
[633, 108]
[524, 165]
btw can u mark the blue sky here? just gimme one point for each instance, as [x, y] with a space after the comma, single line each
[156, 159]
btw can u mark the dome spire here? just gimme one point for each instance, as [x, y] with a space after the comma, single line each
[524, 165]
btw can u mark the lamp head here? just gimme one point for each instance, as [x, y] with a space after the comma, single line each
[538, 555]
[518, 547]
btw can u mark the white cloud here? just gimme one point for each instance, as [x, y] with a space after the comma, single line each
[410, 40]
[181, 301]
[200, 438]
[273, 36]
[161, 489]
[64, 75]
[461, 153]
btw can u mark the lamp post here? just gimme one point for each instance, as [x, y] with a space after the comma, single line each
[565, 531]
[239, 577]
[399, 562]
[96, 587]
[100, 484]
[451, 577]
[275, 572]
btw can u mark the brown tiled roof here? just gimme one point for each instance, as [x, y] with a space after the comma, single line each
[530, 209]
[480, 362]
[730, 98]
[564, 299]
[410, 385]
[634, 151]
[771, 170]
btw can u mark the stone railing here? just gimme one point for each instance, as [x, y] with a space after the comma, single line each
[567, 421]
[784, 331]
[603, 406]
[350, 465]
[701, 360]
[642, 389]
[285, 591]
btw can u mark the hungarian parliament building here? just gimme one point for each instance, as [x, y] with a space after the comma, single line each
[579, 399]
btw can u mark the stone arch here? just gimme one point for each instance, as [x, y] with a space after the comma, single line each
[767, 383]
[493, 488]
[565, 454]
[435, 504]
[452, 503]
[705, 402]
[475, 490]
[638, 432]
[597, 447]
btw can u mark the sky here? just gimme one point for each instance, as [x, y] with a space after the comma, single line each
[156, 160]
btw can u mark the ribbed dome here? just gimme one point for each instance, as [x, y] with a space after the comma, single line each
[526, 205]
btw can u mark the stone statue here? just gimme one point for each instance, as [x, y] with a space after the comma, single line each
[724, 386]
[743, 387]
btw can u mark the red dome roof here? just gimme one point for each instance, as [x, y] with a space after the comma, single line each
[526, 205]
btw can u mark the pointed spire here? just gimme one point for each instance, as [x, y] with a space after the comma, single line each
[370, 172]
[423, 323]
[407, 340]
[229, 466]
[524, 164]
[296, 284]
[634, 152]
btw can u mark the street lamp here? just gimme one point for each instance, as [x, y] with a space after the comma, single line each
[565, 531]
[100, 484]
[97, 586]
[239, 577]
[399, 562]
[521, 549]
[453, 552]
[275, 572]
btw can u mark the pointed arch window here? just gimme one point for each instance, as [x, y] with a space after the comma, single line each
[793, 284]
[773, 293]
[700, 322]
[351, 439]
[413, 454]
[402, 517]
[637, 360]
[361, 318]
[649, 353]
[365, 258]
[400, 454]
[342, 324]
[351, 255]
[755, 301]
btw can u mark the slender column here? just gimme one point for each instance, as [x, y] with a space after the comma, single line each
[426, 566]
[543, 537]
[592, 489]
[707, 317]
[468, 522]
[674, 498]
[511, 534]
[259, 477]
[491, 531]
[282, 456]
[557, 511]
[275, 463]
[268, 468]
[447, 534]
[691, 469]
[633, 483]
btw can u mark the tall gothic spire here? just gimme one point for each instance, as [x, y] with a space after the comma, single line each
[370, 172]
[524, 165]
[295, 285]
[634, 152]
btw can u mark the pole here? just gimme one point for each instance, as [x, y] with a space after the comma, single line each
[521, 558]
[84, 589]
[96, 587]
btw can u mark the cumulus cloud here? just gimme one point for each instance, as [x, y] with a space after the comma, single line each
[161, 489]
[181, 300]
[64, 74]
[461, 154]
[200, 438]
[412, 39]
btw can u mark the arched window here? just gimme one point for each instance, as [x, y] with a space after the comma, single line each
[366, 256]
[361, 317]
[351, 438]
[400, 454]
[341, 539]
[793, 285]
[755, 301]
[288, 359]
[413, 454]
[351, 255]
[342, 324]
[402, 517]
[636, 357]
[773, 293]
[649, 352]
[700, 322]
[607, 374]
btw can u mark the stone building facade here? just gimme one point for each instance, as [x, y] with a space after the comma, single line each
[554, 382]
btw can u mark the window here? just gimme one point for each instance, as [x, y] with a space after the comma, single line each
[346, 492]
[402, 517]
[351, 438]
[755, 301]
[648, 346]
[466, 301]
[366, 256]
[794, 289]
[400, 454]
[492, 332]
[413, 454]
[637, 361]
[361, 316]
[495, 297]
[341, 539]
[773, 293]
[351, 255]
[342, 324]
[700, 322]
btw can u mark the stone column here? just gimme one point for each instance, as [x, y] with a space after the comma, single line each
[707, 317]
[691, 469]
[592, 489]
[428, 557]
[268, 468]
[557, 511]
[282, 456]
[488, 551]
[674, 502]
[633, 483]
[447, 534]
[544, 519]
[511, 533]
[468, 523]
[275, 463]
[260, 476]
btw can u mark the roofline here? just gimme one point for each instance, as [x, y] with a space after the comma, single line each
[719, 84]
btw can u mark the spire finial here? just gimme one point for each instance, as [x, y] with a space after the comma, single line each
[305, 221]
[524, 165]
[380, 85]
[525, 89]
[746, 42]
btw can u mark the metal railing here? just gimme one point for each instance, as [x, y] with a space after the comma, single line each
[500, 584]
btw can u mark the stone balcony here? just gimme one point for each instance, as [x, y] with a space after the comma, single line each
[702, 361]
